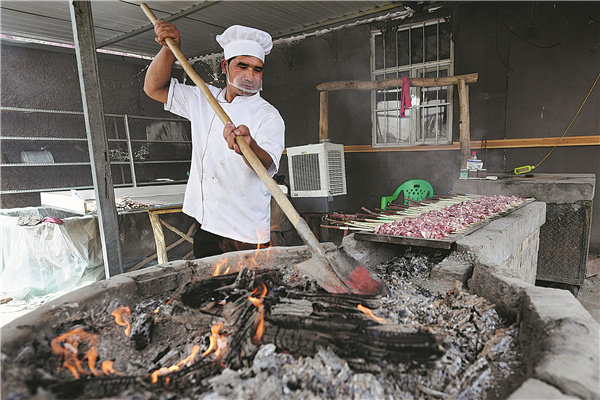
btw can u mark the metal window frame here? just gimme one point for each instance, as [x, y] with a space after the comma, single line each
[416, 121]
[131, 162]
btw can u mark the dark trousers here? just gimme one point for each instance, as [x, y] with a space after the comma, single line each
[208, 244]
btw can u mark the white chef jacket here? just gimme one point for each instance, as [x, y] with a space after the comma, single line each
[223, 193]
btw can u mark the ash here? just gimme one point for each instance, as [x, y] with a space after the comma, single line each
[480, 359]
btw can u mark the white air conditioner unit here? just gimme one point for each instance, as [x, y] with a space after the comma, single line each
[317, 170]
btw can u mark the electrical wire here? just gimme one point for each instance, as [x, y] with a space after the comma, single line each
[573, 120]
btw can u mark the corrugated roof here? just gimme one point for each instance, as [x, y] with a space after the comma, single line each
[121, 25]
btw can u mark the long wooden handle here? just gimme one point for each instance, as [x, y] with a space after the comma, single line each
[297, 221]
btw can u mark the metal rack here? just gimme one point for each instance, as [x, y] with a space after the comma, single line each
[128, 140]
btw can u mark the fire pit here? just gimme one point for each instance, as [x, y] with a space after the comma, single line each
[198, 329]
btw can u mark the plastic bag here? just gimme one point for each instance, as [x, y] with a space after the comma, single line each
[45, 258]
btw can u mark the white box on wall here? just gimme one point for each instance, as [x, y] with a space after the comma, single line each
[317, 170]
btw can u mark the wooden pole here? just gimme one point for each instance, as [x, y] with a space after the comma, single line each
[159, 238]
[464, 122]
[415, 82]
[324, 117]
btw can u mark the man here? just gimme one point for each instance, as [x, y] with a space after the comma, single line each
[225, 196]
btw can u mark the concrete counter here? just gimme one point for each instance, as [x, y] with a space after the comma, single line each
[565, 237]
[550, 188]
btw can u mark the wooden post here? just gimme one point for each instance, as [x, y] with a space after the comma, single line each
[159, 237]
[95, 126]
[464, 122]
[324, 117]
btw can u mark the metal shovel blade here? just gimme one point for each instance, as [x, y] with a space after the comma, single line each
[338, 272]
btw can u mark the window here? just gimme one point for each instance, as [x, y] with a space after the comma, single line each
[421, 50]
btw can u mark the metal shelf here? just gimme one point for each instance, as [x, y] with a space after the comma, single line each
[128, 140]
[18, 191]
[67, 164]
[72, 139]
[44, 111]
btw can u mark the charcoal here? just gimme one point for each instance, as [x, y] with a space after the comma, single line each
[141, 331]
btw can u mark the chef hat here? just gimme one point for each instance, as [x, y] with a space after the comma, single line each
[240, 40]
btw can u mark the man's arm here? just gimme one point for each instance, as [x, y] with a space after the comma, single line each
[156, 83]
[230, 132]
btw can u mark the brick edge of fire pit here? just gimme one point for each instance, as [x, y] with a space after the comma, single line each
[559, 338]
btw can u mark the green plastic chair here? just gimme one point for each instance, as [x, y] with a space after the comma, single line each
[416, 190]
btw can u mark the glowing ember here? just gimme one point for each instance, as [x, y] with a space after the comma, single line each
[370, 313]
[183, 363]
[107, 367]
[260, 317]
[67, 347]
[121, 315]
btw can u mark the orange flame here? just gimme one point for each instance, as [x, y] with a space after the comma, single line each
[370, 314]
[218, 266]
[121, 315]
[167, 370]
[260, 317]
[107, 367]
[67, 347]
[215, 343]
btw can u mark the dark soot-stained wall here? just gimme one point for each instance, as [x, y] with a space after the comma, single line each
[536, 61]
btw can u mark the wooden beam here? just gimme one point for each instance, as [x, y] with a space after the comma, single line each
[415, 82]
[591, 140]
[323, 117]
[93, 110]
[464, 123]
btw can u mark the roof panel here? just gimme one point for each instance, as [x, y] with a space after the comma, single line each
[123, 22]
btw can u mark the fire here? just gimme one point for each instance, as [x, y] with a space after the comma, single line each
[218, 267]
[183, 363]
[260, 317]
[67, 347]
[121, 315]
[370, 313]
[217, 342]
[107, 367]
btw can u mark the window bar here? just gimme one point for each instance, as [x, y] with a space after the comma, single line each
[373, 92]
[130, 151]
[437, 74]
[385, 107]
[409, 46]
[423, 127]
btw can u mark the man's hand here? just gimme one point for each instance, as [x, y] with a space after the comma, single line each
[230, 132]
[163, 30]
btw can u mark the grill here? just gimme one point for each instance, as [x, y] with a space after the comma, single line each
[306, 172]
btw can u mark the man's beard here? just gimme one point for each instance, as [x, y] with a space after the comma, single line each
[248, 88]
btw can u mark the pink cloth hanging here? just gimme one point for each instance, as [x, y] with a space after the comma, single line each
[404, 96]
